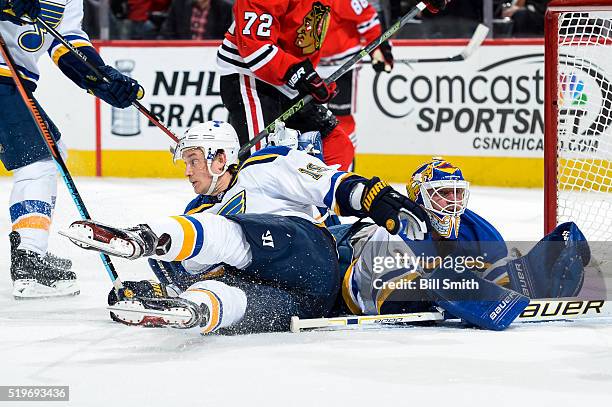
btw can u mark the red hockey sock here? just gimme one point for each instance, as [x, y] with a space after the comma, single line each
[338, 149]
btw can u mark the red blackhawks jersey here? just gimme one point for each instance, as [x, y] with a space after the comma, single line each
[353, 21]
[267, 37]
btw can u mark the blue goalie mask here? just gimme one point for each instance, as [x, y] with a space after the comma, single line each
[439, 187]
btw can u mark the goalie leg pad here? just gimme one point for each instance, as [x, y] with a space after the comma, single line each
[554, 268]
[475, 300]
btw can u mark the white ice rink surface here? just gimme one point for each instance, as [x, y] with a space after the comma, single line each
[73, 342]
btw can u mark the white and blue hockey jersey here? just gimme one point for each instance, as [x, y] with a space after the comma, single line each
[28, 42]
[280, 181]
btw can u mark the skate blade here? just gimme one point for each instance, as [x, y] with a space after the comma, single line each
[135, 313]
[82, 236]
[32, 289]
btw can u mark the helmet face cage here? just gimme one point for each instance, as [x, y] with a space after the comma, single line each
[439, 187]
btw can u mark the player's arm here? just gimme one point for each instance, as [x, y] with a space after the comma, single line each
[120, 91]
[367, 24]
[304, 179]
[257, 29]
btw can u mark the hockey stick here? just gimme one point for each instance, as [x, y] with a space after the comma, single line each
[537, 311]
[43, 129]
[74, 50]
[478, 37]
[480, 34]
[333, 77]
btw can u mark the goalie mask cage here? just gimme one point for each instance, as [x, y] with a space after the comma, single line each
[578, 116]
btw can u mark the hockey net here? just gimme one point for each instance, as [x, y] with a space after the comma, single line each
[578, 106]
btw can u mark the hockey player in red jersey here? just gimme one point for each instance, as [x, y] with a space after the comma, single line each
[355, 23]
[268, 58]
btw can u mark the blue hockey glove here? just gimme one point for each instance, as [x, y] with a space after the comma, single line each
[554, 267]
[120, 92]
[31, 8]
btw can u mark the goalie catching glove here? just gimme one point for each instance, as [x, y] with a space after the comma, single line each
[393, 211]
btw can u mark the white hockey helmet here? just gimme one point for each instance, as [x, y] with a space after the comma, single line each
[211, 137]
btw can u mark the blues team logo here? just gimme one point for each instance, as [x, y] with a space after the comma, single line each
[50, 12]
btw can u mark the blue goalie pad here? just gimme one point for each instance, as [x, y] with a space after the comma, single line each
[475, 300]
[554, 268]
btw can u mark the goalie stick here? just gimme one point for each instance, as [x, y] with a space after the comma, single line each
[43, 129]
[544, 310]
[333, 77]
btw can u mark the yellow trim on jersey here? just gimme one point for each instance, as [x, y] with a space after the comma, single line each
[200, 208]
[189, 236]
[215, 311]
[62, 50]
[386, 292]
[347, 293]
[336, 208]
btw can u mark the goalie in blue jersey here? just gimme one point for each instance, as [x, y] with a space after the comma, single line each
[462, 264]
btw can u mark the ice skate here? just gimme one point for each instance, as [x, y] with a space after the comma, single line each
[130, 243]
[159, 312]
[35, 277]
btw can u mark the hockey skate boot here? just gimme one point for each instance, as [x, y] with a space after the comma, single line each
[35, 277]
[52, 259]
[160, 312]
[130, 243]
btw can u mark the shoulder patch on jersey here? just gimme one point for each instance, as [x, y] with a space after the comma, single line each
[235, 205]
[278, 150]
[50, 12]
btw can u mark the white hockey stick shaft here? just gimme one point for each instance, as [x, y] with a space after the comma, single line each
[536, 311]
[480, 34]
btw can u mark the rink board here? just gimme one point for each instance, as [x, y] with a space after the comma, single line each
[485, 114]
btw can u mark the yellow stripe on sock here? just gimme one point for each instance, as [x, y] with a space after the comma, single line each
[215, 312]
[33, 222]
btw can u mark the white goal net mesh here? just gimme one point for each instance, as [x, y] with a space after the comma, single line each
[584, 122]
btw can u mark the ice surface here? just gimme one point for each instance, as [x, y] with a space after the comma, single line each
[73, 342]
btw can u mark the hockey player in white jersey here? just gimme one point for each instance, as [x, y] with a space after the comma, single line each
[252, 228]
[36, 273]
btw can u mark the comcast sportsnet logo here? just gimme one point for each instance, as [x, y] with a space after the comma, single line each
[571, 90]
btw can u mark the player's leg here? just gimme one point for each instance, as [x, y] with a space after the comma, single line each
[337, 147]
[295, 259]
[344, 104]
[252, 104]
[32, 202]
[293, 271]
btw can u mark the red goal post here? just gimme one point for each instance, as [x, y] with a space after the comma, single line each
[578, 116]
